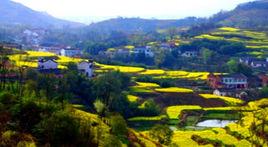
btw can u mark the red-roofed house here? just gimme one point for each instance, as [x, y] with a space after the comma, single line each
[230, 81]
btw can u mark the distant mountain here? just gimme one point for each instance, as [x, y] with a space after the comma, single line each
[144, 25]
[251, 15]
[12, 13]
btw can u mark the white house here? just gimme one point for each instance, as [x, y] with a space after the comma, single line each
[70, 52]
[189, 54]
[147, 51]
[47, 64]
[86, 68]
[259, 64]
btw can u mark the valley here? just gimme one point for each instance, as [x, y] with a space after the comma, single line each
[134, 82]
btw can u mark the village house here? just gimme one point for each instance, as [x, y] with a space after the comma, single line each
[47, 64]
[165, 46]
[147, 51]
[123, 52]
[230, 93]
[230, 81]
[189, 53]
[263, 79]
[49, 67]
[70, 52]
[254, 62]
[9, 45]
[86, 67]
[259, 64]
[52, 49]
[9, 73]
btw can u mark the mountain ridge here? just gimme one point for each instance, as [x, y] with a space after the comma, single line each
[18, 14]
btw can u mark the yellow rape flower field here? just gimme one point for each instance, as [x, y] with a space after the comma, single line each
[124, 69]
[132, 98]
[173, 90]
[229, 29]
[147, 85]
[229, 100]
[153, 72]
[31, 57]
[183, 138]
[174, 112]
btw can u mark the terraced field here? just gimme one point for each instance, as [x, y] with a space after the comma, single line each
[253, 40]
[30, 59]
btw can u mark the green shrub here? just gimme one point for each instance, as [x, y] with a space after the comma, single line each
[59, 129]
[7, 98]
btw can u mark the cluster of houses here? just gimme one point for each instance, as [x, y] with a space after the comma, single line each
[33, 37]
[51, 66]
[235, 85]
[126, 52]
[9, 45]
[62, 50]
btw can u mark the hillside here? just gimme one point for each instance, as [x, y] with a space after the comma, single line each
[248, 15]
[145, 25]
[18, 14]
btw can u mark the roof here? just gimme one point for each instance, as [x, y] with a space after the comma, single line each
[236, 76]
[44, 60]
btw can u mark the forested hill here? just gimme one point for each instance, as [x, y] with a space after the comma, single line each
[144, 25]
[250, 15]
[14, 13]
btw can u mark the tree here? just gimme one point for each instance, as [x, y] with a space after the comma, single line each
[118, 126]
[161, 133]
[264, 92]
[60, 129]
[207, 55]
[151, 108]
[99, 107]
[232, 65]
[111, 141]
[235, 67]
[231, 49]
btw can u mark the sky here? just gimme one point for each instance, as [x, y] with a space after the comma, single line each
[88, 11]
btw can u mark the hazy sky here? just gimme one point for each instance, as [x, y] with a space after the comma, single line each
[95, 10]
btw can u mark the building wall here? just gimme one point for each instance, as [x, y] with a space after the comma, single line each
[69, 52]
[86, 68]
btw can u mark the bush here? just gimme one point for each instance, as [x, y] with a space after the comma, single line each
[7, 98]
[59, 129]
[162, 134]
[119, 126]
